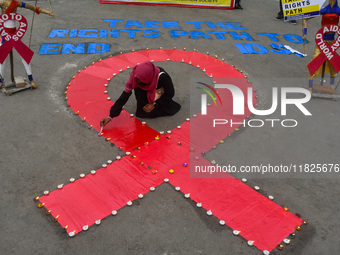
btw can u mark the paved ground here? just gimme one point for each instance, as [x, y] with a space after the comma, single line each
[43, 143]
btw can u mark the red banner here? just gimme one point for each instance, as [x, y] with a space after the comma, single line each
[13, 40]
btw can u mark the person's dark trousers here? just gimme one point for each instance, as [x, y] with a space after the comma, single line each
[280, 14]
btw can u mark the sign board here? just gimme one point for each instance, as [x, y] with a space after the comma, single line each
[300, 9]
[222, 4]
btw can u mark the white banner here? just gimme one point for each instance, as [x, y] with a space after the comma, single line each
[300, 9]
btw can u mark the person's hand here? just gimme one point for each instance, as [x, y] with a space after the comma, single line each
[159, 93]
[148, 107]
[158, 96]
[104, 121]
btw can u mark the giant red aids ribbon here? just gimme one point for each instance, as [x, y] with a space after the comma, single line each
[150, 155]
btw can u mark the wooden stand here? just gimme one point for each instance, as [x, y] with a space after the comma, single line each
[322, 91]
[12, 88]
[17, 83]
[325, 91]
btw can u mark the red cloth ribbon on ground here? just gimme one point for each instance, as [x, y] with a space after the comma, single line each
[13, 40]
[93, 197]
[328, 52]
